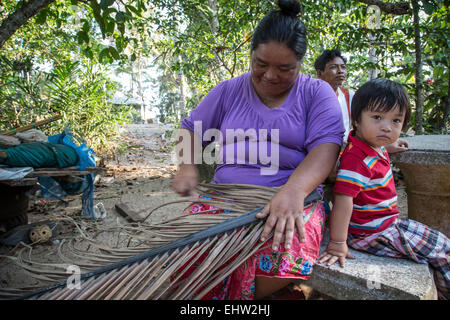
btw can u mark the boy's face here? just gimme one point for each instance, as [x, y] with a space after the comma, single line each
[380, 128]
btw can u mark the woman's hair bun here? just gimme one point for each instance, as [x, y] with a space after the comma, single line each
[290, 7]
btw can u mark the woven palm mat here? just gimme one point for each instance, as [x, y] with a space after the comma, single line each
[147, 258]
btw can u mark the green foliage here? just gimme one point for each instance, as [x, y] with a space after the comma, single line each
[212, 37]
[207, 41]
[393, 40]
[78, 91]
[81, 93]
[43, 69]
[207, 44]
[21, 97]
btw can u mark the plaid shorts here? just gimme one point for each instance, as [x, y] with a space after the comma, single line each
[410, 239]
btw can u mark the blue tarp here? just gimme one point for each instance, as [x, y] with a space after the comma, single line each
[53, 189]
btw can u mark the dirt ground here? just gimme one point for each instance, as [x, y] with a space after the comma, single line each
[139, 177]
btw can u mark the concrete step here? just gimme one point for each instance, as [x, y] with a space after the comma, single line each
[370, 277]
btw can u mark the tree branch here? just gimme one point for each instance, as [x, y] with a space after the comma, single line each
[19, 17]
[393, 8]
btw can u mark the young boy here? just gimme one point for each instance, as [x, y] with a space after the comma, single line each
[365, 210]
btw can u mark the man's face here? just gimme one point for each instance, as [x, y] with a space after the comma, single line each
[335, 73]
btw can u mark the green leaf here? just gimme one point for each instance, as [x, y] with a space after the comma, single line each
[110, 27]
[114, 53]
[120, 17]
[41, 18]
[120, 44]
[437, 72]
[103, 55]
[121, 27]
[428, 6]
[85, 27]
[82, 37]
[106, 3]
[134, 9]
[98, 17]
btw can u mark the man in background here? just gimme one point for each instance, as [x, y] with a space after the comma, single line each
[331, 67]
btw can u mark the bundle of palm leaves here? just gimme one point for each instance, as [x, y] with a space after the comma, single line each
[156, 257]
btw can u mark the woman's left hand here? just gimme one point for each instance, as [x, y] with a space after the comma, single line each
[285, 213]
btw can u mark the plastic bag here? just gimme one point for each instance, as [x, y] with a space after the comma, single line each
[86, 155]
[32, 135]
[8, 141]
[86, 158]
[7, 173]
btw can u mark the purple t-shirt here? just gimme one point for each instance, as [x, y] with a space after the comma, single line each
[259, 145]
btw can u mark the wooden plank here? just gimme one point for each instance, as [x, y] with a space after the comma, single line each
[20, 182]
[69, 171]
[56, 173]
[126, 212]
[31, 178]
[90, 169]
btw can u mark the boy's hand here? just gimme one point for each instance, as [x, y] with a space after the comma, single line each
[398, 146]
[335, 252]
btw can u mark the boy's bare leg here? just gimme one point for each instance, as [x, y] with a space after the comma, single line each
[265, 285]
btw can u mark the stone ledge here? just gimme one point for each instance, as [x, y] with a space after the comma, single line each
[370, 277]
[425, 149]
[439, 158]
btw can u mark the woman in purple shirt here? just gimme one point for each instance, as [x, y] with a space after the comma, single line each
[275, 127]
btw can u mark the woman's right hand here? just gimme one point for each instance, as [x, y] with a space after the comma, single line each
[185, 180]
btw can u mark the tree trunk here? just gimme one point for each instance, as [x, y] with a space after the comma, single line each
[419, 73]
[373, 73]
[446, 116]
[141, 93]
[19, 17]
[182, 95]
[215, 21]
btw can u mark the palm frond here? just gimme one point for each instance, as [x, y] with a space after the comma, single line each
[154, 268]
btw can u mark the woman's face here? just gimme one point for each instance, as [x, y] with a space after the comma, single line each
[274, 69]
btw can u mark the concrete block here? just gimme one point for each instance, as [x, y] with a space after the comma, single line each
[426, 171]
[370, 277]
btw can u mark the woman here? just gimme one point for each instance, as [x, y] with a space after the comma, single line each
[303, 119]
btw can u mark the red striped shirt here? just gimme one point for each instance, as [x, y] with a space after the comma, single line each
[366, 175]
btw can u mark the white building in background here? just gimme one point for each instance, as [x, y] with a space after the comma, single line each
[148, 114]
[149, 93]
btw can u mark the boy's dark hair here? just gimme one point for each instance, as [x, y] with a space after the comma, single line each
[380, 95]
[326, 57]
[283, 26]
